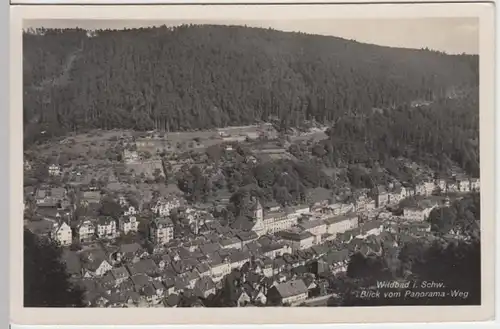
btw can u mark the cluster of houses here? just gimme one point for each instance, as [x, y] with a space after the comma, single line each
[326, 219]
[272, 254]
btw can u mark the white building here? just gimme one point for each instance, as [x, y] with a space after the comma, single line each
[316, 227]
[417, 213]
[219, 268]
[337, 209]
[161, 230]
[130, 211]
[163, 207]
[54, 170]
[475, 184]
[274, 221]
[441, 185]
[429, 188]
[341, 224]
[463, 184]
[397, 194]
[373, 227]
[275, 250]
[61, 232]
[106, 228]
[300, 210]
[122, 200]
[130, 156]
[85, 231]
[420, 189]
[230, 243]
[298, 240]
[452, 186]
[129, 224]
[291, 293]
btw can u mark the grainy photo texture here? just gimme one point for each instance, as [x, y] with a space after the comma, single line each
[261, 163]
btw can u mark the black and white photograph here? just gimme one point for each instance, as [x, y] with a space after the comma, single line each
[232, 163]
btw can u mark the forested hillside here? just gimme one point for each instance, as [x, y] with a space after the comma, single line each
[197, 77]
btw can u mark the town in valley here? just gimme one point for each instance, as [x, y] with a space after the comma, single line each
[132, 239]
[199, 207]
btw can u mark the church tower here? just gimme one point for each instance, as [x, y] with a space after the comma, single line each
[258, 212]
[258, 215]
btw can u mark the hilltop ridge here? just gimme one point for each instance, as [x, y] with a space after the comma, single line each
[199, 77]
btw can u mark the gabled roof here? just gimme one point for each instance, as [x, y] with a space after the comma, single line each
[132, 248]
[91, 195]
[190, 275]
[148, 290]
[58, 192]
[159, 222]
[311, 224]
[105, 221]
[140, 280]
[158, 285]
[172, 300]
[242, 223]
[253, 247]
[180, 266]
[247, 236]
[371, 225]
[291, 288]
[239, 256]
[320, 249]
[120, 272]
[229, 241]
[205, 284]
[202, 267]
[341, 218]
[295, 236]
[93, 258]
[336, 256]
[144, 266]
[272, 247]
[40, 227]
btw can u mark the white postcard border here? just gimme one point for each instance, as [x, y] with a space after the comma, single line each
[20, 315]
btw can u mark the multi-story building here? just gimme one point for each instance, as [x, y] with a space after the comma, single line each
[106, 228]
[291, 293]
[297, 239]
[273, 221]
[85, 231]
[463, 184]
[61, 232]
[316, 227]
[419, 212]
[130, 156]
[441, 185]
[475, 184]
[381, 196]
[129, 224]
[340, 224]
[373, 227]
[420, 189]
[219, 268]
[161, 230]
[54, 170]
[130, 211]
[163, 207]
[429, 188]
[397, 194]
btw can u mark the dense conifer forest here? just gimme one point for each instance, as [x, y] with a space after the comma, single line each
[380, 102]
